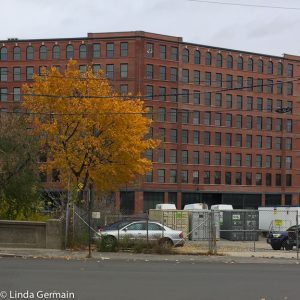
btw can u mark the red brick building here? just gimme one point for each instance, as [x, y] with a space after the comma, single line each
[228, 119]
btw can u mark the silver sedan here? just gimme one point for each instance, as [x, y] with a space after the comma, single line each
[137, 230]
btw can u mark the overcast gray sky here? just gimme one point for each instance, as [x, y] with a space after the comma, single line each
[264, 30]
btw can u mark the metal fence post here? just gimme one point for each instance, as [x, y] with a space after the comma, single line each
[297, 230]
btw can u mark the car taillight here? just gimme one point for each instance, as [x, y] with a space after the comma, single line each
[181, 235]
[100, 229]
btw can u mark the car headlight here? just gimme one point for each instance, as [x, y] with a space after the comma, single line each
[276, 235]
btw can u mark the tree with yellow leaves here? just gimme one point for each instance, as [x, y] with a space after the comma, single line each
[92, 135]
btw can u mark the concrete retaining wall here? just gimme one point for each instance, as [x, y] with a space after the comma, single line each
[25, 234]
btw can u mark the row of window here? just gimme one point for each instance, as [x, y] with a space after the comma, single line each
[216, 178]
[220, 80]
[55, 52]
[220, 61]
[228, 159]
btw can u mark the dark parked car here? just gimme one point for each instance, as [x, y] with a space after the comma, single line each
[284, 239]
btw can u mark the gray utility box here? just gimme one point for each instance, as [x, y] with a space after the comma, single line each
[240, 225]
[200, 225]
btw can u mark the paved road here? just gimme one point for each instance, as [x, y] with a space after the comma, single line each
[113, 280]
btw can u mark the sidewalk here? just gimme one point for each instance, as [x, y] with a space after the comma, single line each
[228, 252]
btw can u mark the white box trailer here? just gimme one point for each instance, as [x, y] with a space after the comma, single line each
[277, 218]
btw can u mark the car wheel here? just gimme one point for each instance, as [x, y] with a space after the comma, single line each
[276, 247]
[110, 241]
[287, 246]
[166, 243]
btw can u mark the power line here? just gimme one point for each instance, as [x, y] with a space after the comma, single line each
[245, 4]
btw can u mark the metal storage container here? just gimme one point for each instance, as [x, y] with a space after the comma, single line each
[175, 219]
[238, 225]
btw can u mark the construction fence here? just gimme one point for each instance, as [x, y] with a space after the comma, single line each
[211, 231]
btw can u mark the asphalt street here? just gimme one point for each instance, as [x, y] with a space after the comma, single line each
[135, 280]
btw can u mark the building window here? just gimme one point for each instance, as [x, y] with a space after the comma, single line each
[279, 87]
[173, 74]
[17, 94]
[197, 57]
[289, 86]
[268, 179]
[207, 78]
[238, 178]
[218, 100]
[196, 158]
[269, 105]
[207, 58]
[279, 104]
[56, 52]
[238, 159]
[259, 104]
[161, 176]
[3, 94]
[173, 95]
[185, 117]
[229, 62]
[240, 82]
[248, 178]
[217, 177]
[218, 119]
[70, 52]
[16, 53]
[288, 162]
[258, 179]
[278, 179]
[218, 80]
[162, 134]
[161, 156]
[149, 176]
[82, 51]
[228, 101]
[207, 98]
[260, 85]
[3, 53]
[218, 138]
[270, 67]
[123, 49]
[196, 77]
[227, 177]
[43, 52]
[207, 158]
[278, 143]
[184, 157]
[228, 122]
[185, 96]
[173, 156]
[173, 115]
[29, 52]
[288, 180]
[109, 50]
[250, 83]
[174, 53]
[249, 141]
[249, 103]
[258, 160]
[185, 76]
[260, 66]
[238, 121]
[238, 140]
[207, 118]
[229, 81]
[17, 73]
[173, 176]
[268, 161]
[110, 72]
[161, 114]
[162, 73]
[290, 72]
[96, 50]
[206, 138]
[269, 142]
[250, 64]
[280, 69]
[195, 177]
[227, 159]
[269, 86]
[29, 73]
[289, 145]
[185, 55]
[184, 136]
[228, 139]
[259, 123]
[206, 179]
[278, 125]
[277, 161]
[219, 60]
[268, 123]
[173, 133]
[149, 154]
[149, 71]
[196, 117]
[196, 137]
[240, 63]
[149, 92]
[55, 175]
[124, 71]
[218, 159]
[3, 74]
[258, 141]
[184, 176]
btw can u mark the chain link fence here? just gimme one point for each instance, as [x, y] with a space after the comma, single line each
[207, 231]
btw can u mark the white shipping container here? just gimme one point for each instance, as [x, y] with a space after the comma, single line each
[277, 218]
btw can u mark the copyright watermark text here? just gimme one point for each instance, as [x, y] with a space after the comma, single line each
[37, 295]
